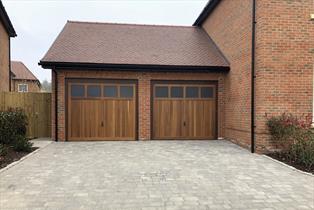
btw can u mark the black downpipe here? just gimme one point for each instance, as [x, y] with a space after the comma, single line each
[56, 105]
[10, 64]
[253, 79]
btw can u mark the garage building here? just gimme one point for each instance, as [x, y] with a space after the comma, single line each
[135, 82]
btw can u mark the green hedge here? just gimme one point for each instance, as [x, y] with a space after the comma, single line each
[13, 123]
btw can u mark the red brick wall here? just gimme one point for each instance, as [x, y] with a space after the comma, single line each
[144, 85]
[284, 59]
[284, 62]
[229, 26]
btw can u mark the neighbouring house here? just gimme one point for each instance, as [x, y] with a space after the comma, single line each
[22, 79]
[240, 61]
[6, 32]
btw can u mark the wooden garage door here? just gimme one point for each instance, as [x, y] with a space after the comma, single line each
[184, 111]
[101, 111]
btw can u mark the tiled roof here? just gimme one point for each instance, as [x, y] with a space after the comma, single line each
[109, 43]
[20, 71]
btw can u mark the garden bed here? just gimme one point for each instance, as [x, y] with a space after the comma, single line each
[284, 157]
[11, 156]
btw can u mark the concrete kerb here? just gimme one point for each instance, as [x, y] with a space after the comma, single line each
[286, 165]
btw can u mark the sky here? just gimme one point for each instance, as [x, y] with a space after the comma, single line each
[38, 22]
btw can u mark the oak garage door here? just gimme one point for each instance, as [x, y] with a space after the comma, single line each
[184, 111]
[101, 110]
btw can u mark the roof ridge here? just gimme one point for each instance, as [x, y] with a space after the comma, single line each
[130, 24]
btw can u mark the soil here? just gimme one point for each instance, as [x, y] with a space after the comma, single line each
[12, 156]
[283, 157]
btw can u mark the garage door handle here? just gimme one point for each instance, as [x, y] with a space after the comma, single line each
[102, 124]
[183, 123]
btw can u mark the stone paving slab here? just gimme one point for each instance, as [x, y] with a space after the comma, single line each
[41, 142]
[152, 175]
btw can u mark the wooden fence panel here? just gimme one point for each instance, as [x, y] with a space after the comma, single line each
[37, 107]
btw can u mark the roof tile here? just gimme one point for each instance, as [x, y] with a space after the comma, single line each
[109, 43]
[20, 71]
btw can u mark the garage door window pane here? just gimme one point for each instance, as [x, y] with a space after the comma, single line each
[93, 91]
[126, 91]
[77, 90]
[207, 92]
[110, 91]
[191, 92]
[161, 92]
[176, 92]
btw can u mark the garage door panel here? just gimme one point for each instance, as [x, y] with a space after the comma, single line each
[75, 119]
[104, 117]
[85, 120]
[169, 114]
[123, 118]
[91, 119]
[174, 124]
[191, 116]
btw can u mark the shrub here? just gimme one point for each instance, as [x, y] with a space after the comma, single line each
[302, 151]
[283, 127]
[21, 144]
[13, 124]
[295, 137]
[3, 150]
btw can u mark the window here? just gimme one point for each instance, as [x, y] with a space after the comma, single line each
[110, 91]
[191, 92]
[93, 91]
[126, 91]
[77, 90]
[22, 88]
[161, 92]
[207, 92]
[176, 92]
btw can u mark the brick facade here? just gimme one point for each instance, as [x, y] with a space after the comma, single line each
[284, 62]
[229, 26]
[32, 85]
[144, 95]
[4, 58]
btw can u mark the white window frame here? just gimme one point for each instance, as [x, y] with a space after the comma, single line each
[19, 85]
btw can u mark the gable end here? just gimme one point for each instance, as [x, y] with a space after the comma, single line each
[209, 8]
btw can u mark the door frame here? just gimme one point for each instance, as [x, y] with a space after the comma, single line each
[196, 82]
[97, 80]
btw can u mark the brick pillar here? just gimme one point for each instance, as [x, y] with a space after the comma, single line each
[53, 106]
[144, 107]
[61, 106]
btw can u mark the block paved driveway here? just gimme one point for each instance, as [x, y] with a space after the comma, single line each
[152, 175]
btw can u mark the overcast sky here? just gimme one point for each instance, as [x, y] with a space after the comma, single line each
[38, 22]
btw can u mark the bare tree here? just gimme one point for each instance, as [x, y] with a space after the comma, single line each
[46, 86]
